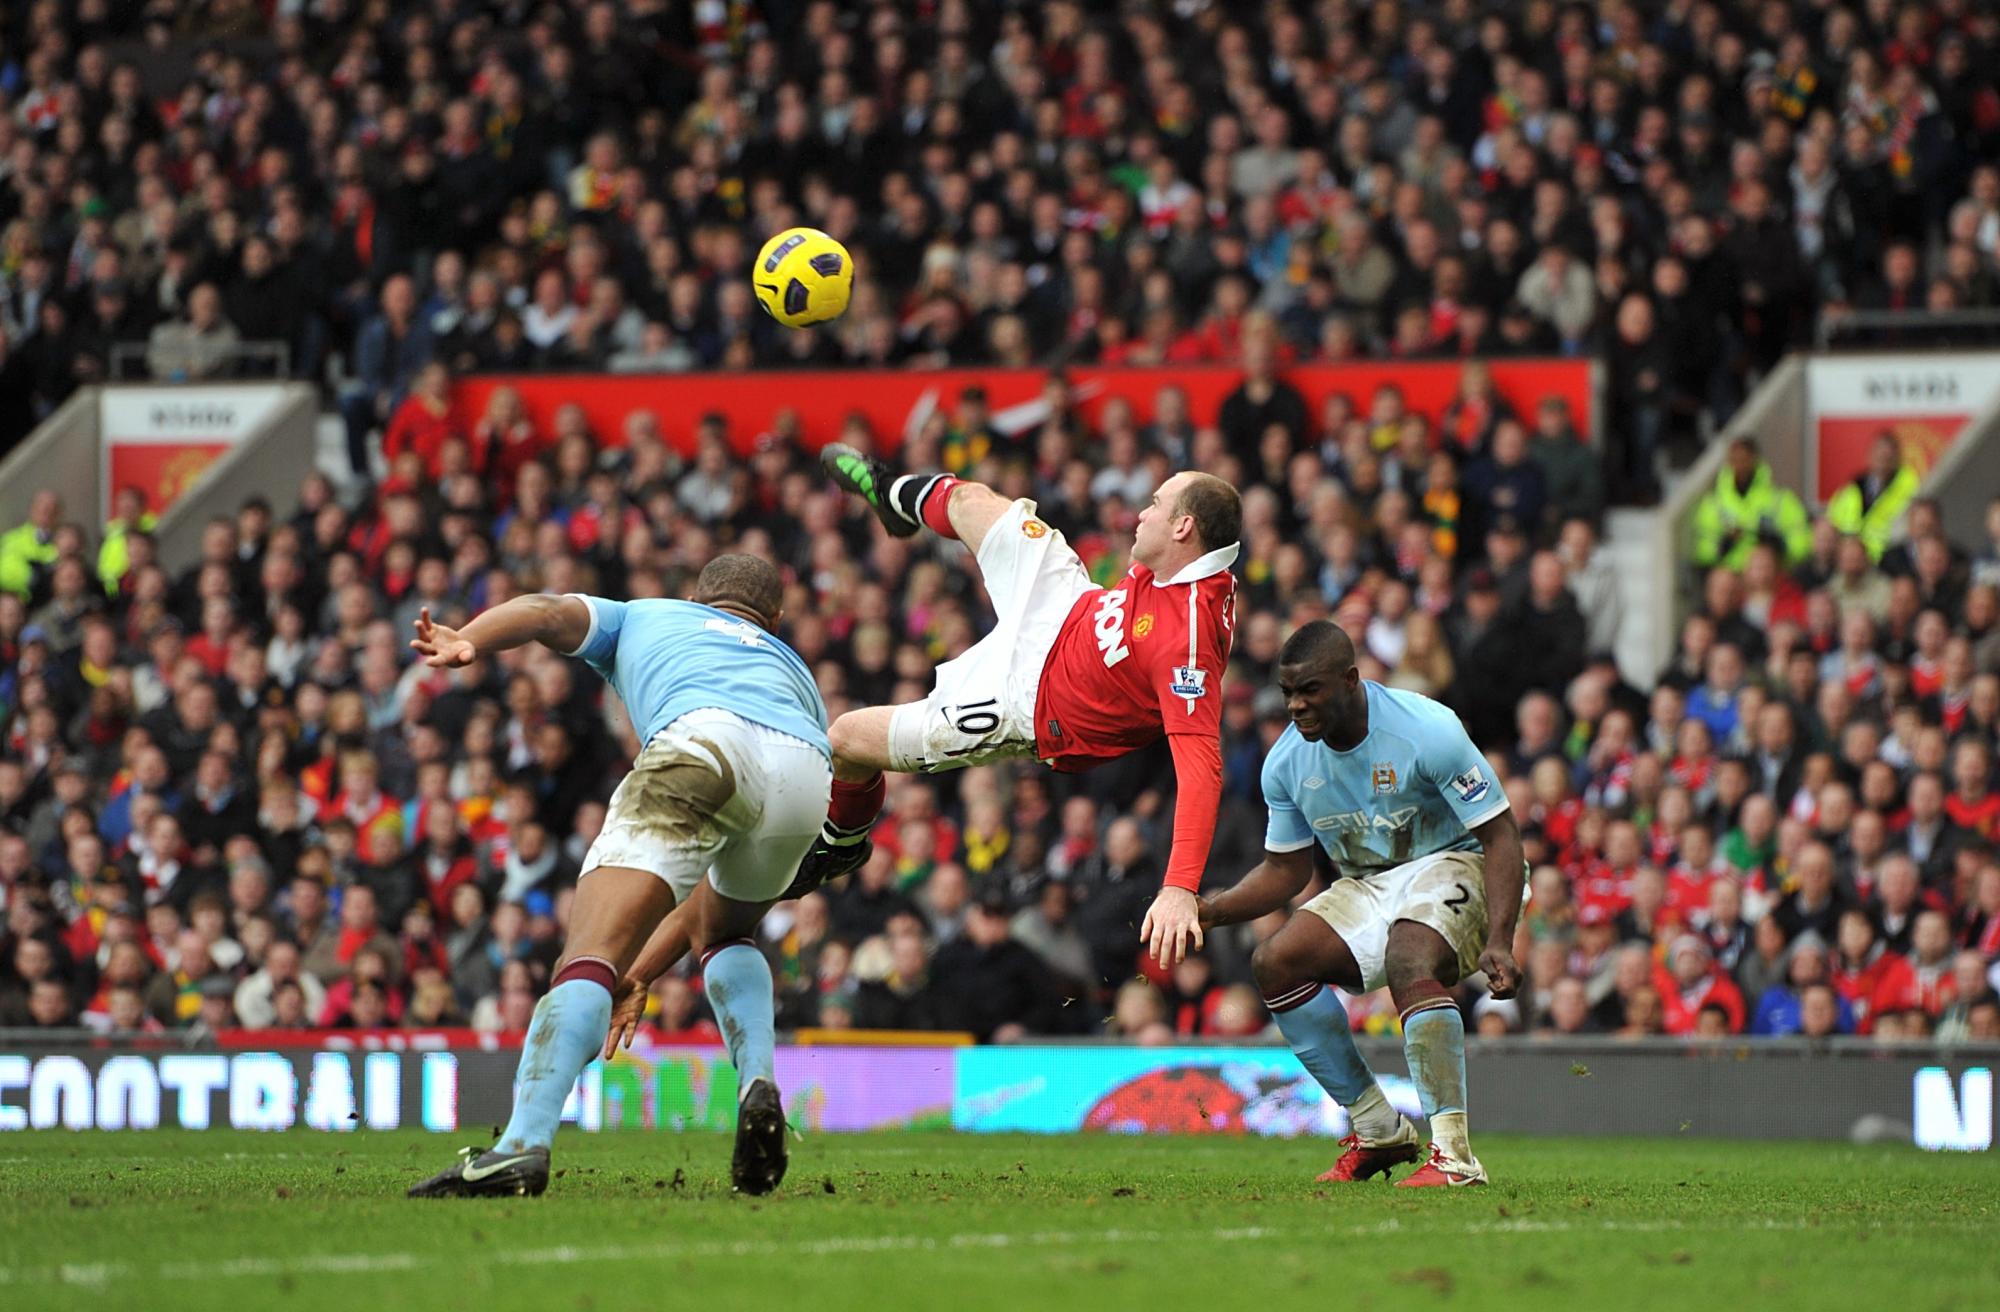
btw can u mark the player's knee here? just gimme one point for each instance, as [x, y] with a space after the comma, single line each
[967, 495]
[847, 737]
[1403, 971]
[1275, 969]
[973, 509]
[1416, 960]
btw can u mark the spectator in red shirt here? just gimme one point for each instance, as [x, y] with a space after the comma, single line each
[373, 971]
[1694, 873]
[1931, 633]
[362, 948]
[1606, 881]
[424, 422]
[1981, 919]
[446, 859]
[1973, 805]
[211, 645]
[1471, 416]
[1770, 597]
[1874, 980]
[1689, 981]
[505, 439]
[360, 799]
[422, 948]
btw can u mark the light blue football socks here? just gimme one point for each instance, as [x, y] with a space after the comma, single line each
[569, 1027]
[1434, 1045]
[1318, 1032]
[738, 982]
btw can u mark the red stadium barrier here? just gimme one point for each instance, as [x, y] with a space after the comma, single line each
[824, 399]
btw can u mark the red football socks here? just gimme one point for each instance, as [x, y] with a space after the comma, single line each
[936, 505]
[854, 806]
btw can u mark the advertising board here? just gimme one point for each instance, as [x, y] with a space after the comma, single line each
[895, 404]
[1938, 1099]
[1923, 400]
[163, 439]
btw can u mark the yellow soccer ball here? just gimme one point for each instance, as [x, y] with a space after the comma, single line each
[803, 277]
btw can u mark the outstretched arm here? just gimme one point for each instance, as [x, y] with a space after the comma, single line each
[1173, 923]
[560, 623]
[1500, 841]
[1272, 884]
[669, 943]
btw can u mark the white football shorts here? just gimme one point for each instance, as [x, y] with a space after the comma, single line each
[715, 794]
[983, 705]
[1446, 891]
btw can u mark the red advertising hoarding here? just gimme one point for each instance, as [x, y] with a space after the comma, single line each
[1923, 400]
[1844, 441]
[895, 402]
[163, 470]
[161, 440]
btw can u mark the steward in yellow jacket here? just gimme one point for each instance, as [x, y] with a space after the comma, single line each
[1869, 507]
[1746, 507]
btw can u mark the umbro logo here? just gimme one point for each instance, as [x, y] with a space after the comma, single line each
[1315, 782]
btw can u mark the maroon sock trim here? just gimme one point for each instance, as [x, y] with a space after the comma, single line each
[595, 969]
[1294, 998]
[1427, 995]
[714, 948]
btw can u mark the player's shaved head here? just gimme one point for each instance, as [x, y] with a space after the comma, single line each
[1323, 692]
[1319, 643]
[745, 583]
[1215, 507]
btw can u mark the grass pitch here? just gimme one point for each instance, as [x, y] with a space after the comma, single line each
[170, 1220]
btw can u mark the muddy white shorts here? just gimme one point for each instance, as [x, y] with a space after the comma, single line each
[715, 794]
[1446, 891]
[983, 707]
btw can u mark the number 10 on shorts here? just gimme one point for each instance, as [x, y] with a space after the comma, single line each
[973, 720]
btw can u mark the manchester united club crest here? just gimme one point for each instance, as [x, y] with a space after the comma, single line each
[1034, 528]
[1143, 626]
[1385, 777]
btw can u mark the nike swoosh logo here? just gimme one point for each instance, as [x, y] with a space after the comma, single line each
[474, 1174]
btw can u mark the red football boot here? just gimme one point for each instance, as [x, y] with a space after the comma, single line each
[1371, 1157]
[1445, 1171]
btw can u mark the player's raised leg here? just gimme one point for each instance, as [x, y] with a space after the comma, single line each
[860, 741]
[615, 909]
[949, 506]
[1422, 967]
[1293, 969]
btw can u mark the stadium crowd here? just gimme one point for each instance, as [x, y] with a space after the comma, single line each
[271, 817]
[1679, 189]
[228, 799]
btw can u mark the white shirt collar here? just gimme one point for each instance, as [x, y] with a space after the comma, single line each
[1202, 566]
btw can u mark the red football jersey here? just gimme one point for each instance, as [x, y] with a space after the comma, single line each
[1981, 817]
[1136, 662]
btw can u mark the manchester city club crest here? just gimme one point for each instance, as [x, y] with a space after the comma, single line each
[1385, 777]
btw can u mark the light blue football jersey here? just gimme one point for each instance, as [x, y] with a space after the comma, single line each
[666, 658]
[1413, 787]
